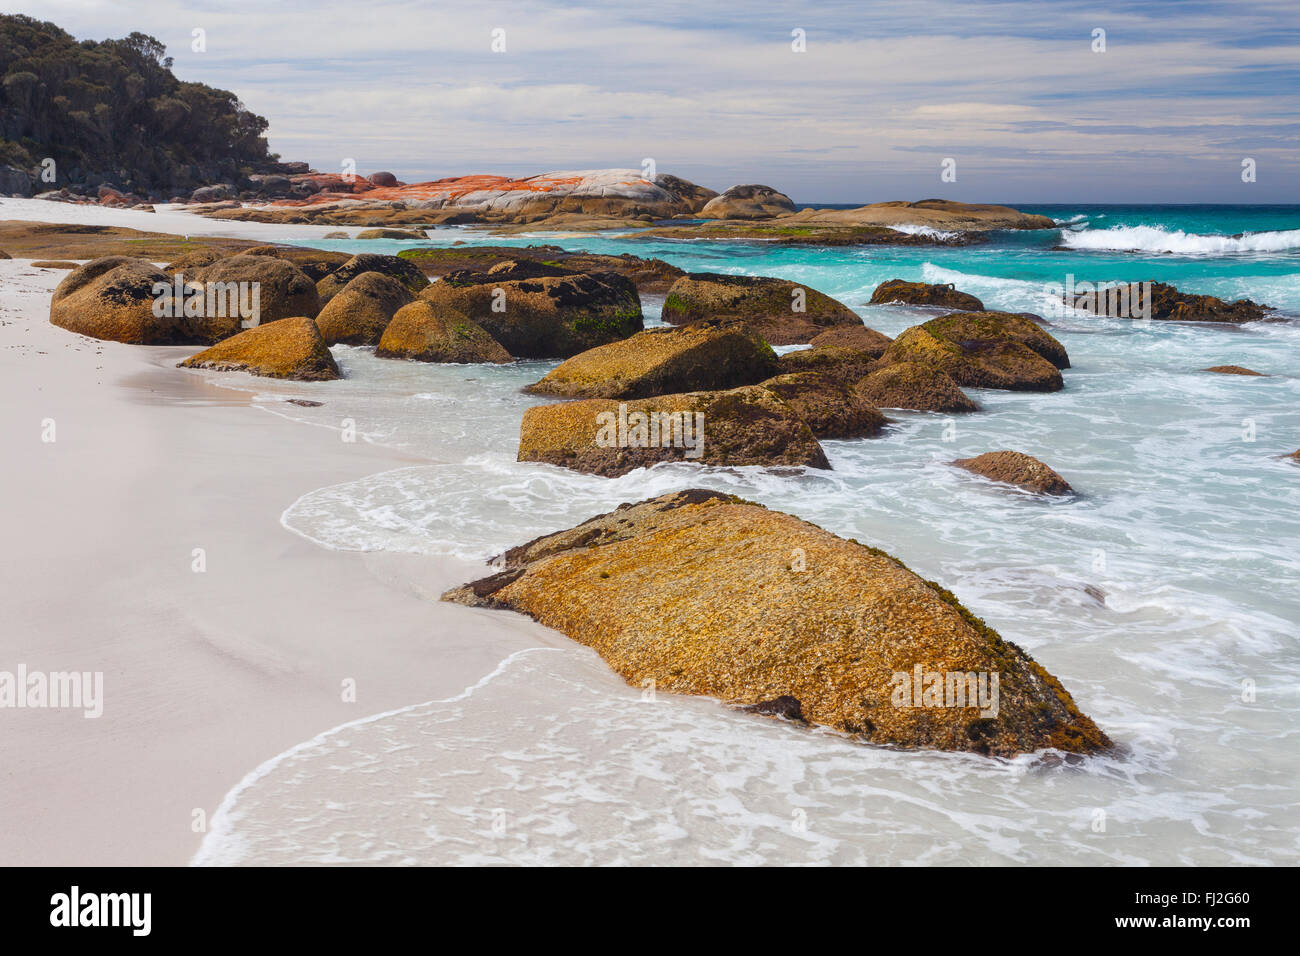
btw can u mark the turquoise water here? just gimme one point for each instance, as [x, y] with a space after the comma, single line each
[1164, 596]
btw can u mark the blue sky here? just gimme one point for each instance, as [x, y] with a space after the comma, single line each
[1012, 91]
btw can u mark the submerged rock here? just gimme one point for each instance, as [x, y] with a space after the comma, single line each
[702, 593]
[359, 314]
[1233, 370]
[700, 357]
[832, 408]
[783, 312]
[544, 316]
[984, 350]
[1017, 468]
[289, 348]
[922, 293]
[425, 333]
[920, 388]
[742, 426]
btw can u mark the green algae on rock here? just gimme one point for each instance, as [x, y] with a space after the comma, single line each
[701, 593]
[984, 350]
[783, 312]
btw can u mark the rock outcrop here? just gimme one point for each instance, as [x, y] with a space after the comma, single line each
[1016, 468]
[549, 316]
[289, 348]
[742, 426]
[984, 350]
[392, 266]
[831, 407]
[748, 202]
[783, 312]
[916, 387]
[922, 293]
[360, 313]
[703, 593]
[702, 357]
[424, 333]
[649, 275]
[1165, 303]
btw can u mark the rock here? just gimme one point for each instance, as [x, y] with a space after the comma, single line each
[921, 293]
[390, 234]
[984, 350]
[283, 290]
[832, 408]
[916, 387]
[1295, 455]
[337, 234]
[317, 263]
[768, 306]
[742, 426]
[288, 348]
[383, 178]
[1016, 468]
[1233, 370]
[785, 707]
[113, 298]
[15, 181]
[213, 193]
[361, 312]
[847, 352]
[191, 262]
[748, 202]
[649, 275]
[700, 357]
[545, 317]
[703, 593]
[54, 264]
[1167, 304]
[5, 255]
[399, 269]
[426, 333]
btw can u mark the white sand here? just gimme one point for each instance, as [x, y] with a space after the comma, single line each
[205, 674]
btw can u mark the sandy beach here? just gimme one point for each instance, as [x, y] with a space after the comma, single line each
[206, 674]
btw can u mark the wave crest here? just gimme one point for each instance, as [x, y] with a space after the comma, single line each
[1156, 239]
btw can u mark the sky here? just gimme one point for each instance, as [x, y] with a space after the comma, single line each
[1017, 94]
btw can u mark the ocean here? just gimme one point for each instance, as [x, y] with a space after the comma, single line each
[1164, 595]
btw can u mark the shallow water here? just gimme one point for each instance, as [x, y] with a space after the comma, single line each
[1170, 581]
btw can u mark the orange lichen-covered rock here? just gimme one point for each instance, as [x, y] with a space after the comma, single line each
[702, 593]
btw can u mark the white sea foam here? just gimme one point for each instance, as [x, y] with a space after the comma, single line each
[1153, 239]
[929, 231]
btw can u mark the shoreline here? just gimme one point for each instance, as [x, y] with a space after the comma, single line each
[263, 638]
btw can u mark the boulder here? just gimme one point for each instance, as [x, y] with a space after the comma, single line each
[984, 350]
[922, 293]
[549, 316]
[425, 333]
[190, 262]
[1016, 468]
[747, 202]
[701, 357]
[283, 290]
[15, 181]
[361, 312]
[288, 348]
[698, 592]
[847, 352]
[54, 264]
[1167, 304]
[404, 272]
[383, 178]
[831, 407]
[650, 275]
[390, 234]
[768, 306]
[113, 298]
[1233, 370]
[317, 263]
[917, 387]
[213, 193]
[742, 426]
